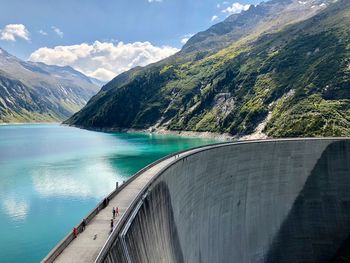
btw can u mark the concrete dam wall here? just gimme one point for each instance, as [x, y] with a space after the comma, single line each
[270, 201]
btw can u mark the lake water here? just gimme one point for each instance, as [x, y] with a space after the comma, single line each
[51, 176]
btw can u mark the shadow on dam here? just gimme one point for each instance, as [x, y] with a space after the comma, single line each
[157, 209]
[319, 220]
[275, 201]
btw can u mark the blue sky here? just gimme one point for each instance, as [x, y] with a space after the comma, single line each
[159, 23]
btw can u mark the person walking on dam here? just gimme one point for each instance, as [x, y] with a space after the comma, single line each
[112, 225]
[105, 202]
[75, 232]
[83, 224]
[113, 212]
[117, 211]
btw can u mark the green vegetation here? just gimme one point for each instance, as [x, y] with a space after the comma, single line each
[29, 117]
[301, 74]
[35, 92]
[311, 116]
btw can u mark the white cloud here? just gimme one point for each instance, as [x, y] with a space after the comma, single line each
[153, 1]
[185, 38]
[57, 31]
[13, 31]
[235, 8]
[214, 18]
[42, 32]
[222, 4]
[103, 60]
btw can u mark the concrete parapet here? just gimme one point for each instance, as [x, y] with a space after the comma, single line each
[269, 201]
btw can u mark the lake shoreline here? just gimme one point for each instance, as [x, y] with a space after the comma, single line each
[54, 175]
[160, 131]
[26, 123]
[189, 134]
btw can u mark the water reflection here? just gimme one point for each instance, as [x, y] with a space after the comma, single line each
[52, 176]
[16, 209]
[91, 178]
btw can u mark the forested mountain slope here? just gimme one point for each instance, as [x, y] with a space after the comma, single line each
[287, 77]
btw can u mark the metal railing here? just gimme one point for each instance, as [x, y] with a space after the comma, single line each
[58, 249]
[54, 253]
[126, 217]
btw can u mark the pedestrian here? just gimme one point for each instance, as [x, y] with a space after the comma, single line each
[75, 232]
[113, 212]
[112, 224]
[117, 211]
[84, 224]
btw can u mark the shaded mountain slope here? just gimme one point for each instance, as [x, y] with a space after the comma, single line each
[35, 92]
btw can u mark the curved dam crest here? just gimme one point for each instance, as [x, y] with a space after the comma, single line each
[269, 201]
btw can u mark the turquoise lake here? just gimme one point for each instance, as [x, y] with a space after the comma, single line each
[51, 176]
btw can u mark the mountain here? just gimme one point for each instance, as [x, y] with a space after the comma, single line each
[36, 92]
[266, 17]
[280, 69]
[97, 82]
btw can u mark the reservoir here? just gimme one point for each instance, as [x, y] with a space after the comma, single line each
[51, 176]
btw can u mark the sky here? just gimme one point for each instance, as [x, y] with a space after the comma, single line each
[103, 38]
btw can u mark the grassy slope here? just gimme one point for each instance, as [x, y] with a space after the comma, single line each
[300, 75]
[35, 92]
[29, 108]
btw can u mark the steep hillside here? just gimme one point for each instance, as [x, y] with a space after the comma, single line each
[266, 17]
[35, 92]
[289, 81]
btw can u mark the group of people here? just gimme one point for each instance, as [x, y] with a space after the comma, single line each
[115, 212]
[83, 226]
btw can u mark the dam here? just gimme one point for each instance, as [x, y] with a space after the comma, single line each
[256, 201]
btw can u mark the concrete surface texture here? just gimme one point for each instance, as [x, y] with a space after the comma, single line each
[88, 244]
[271, 201]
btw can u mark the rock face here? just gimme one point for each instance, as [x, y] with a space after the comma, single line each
[256, 19]
[32, 92]
[272, 201]
[278, 69]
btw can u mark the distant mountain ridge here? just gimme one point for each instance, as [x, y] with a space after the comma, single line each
[284, 73]
[255, 20]
[36, 92]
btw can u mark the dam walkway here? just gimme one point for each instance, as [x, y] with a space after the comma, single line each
[283, 200]
[87, 245]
